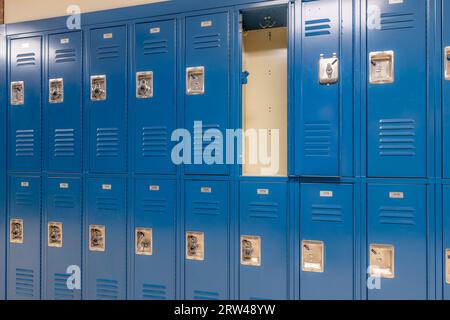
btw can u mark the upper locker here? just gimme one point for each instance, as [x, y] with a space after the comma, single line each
[396, 91]
[64, 104]
[107, 100]
[24, 128]
[207, 91]
[446, 89]
[153, 106]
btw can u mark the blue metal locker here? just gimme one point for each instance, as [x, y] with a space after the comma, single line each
[207, 90]
[107, 100]
[206, 245]
[396, 91]
[263, 241]
[397, 241]
[154, 246]
[446, 90]
[24, 238]
[317, 131]
[24, 127]
[153, 106]
[61, 227]
[446, 244]
[105, 271]
[327, 241]
[63, 107]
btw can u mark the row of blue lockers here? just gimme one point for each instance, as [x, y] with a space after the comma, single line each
[154, 238]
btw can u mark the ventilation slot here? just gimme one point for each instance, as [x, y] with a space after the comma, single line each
[107, 142]
[64, 143]
[319, 27]
[154, 206]
[207, 208]
[317, 139]
[108, 52]
[63, 201]
[24, 199]
[397, 137]
[397, 215]
[207, 41]
[61, 292]
[326, 213]
[24, 283]
[65, 55]
[107, 289]
[205, 295]
[265, 210]
[107, 204]
[200, 141]
[25, 143]
[26, 59]
[155, 47]
[154, 292]
[397, 21]
[154, 142]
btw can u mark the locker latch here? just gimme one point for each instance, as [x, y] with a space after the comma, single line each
[17, 93]
[447, 265]
[312, 256]
[447, 63]
[382, 261]
[195, 81]
[195, 246]
[144, 85]
[16, 231]
[55, 234]
[98, 88]
[56, 91]
[381, 65]
[144, 241]
[328, 69]
[97, 238]
[251, 251]
[244, 77]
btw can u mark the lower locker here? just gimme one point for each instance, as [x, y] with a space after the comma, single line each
[397, 241]
[154, 247]
[61, 227]
[206, 242]
[446, 245]
[263, 228]
[326, 252]
[106, 237]
[24, 238]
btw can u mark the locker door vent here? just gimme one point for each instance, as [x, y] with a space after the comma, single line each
[107, 142]
[108, 52]
[63, 201]
[209, 208]
[61, 292]
[24, 199]
[155, 47]
[397, 21]
[397, 215]
[24, 283]
[207, 41]
[154, 206]
[65, 55]
[64, 143]
[26, 59]
[317, 27]
[318, 139]
[25, 143]
[154, 142]
[106, 204]
[265, 210]
[198, 152]
[154, 292]
[327, 213]
[206, 295]
[397, 137]
[107, 289]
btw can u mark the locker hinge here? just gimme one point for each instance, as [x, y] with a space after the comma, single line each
[244, 77]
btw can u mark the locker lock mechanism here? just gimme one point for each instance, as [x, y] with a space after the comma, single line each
[382, 261]
[251, 251]
[144, 85]
[195, 246]
[144, 242]
[447, 63]
[56, 91]
[17, 93]
[55, 234]
[97, 238]
[195, 81]
[328, 69]
[16, 231]
[381, 67]
[447, 266]
[98, 88]
[312, 256]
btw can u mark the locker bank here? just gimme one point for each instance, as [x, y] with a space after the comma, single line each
[227, 150]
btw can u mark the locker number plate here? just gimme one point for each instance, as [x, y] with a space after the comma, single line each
[97, 238]
[382, 261]
[144, 85]
[16, 231]
[98, 88]
[17, 93]
[144, 242]
[312, 256]
[55, 234]
[251, 251]
[328, 69]
[195, 246]
[381, 67]
[195, 81]
[56, 91]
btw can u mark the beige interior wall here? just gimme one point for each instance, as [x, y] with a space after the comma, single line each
[265, 96]
[24, 10]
